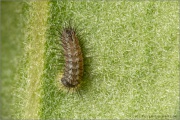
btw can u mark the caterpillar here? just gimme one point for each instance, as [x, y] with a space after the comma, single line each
[73, 57]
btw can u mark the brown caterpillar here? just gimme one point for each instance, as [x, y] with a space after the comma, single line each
[73, 70]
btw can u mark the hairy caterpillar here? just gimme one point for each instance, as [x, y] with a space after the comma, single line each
[73, 68]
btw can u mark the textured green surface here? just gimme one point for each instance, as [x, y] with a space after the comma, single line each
[30, 92]
[11, 51]
[23, 55]
[132, 71]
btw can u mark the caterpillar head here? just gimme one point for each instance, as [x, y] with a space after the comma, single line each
[69, 34]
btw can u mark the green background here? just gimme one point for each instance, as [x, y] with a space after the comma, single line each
[132, 71]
